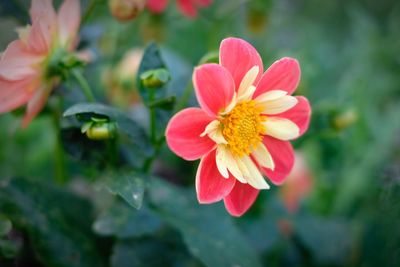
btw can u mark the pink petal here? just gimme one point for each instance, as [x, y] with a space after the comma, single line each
[156, 6]
[183, 134]
[283, 156]
[188, 8]
[240, 199]
[283, 74]
[238, 57]
[214, 87]
[299, 114]
[14, 94]
[44, 22]
[69, 18]
[36, 103]
[211, 186]
[17, 63]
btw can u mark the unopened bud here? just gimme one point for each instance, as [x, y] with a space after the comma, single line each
[155, 78]
[125, 10]
[99, 129]
[345, 119]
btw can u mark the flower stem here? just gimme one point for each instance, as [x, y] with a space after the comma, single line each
[59, 160]
[83, 84]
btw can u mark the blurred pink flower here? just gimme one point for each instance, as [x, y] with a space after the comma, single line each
[23, 65]
[187, 7]
[298, 184]
[243, 126]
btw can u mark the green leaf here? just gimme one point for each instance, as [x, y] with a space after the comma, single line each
[5, 226]
[130, 186]
[57, 222]
[328, 239]
[207, 230]
[151, 60]
[152, 252]
[122, 221]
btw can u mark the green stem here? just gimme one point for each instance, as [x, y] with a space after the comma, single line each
[89, 10]
[153, 130]
[59, 151]
[83, 84]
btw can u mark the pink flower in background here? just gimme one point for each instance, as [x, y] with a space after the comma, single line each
[298, 184]
[23, 65]
[187, 7]
[243, 128]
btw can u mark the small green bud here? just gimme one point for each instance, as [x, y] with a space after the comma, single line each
[99, 129]
[210, 57]
[155, 78]
[345, 119]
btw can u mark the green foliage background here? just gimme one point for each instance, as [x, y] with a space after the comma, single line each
[88, 215]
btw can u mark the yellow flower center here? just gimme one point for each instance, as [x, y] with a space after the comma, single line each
[243, 128]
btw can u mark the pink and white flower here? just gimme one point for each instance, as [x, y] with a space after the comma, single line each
[24, 64]
[187, 7]
[243, 126]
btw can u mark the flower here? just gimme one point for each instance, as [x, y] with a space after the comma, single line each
[24, 77]
[187, 7]
[297, 185]
[243, 126]
[125, 10]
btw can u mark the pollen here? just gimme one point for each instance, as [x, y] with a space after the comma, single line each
[242, 128]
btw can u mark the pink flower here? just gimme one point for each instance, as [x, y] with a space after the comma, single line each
[297, 185]
[24, 63]
[243, 128]
[187, 7]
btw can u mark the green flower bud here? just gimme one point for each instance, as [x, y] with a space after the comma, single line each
[99, 129]
[345, 119]
[155, 78]
[210, 57]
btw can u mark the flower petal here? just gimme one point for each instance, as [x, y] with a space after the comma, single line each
[278, 105]
[299, 114]
[263, 157]
[36, 103]
[69, 18]
[248, 80]
[226, 161]
[283, 74]
[210, 185]
[183, 134]
[188, 8]
[214, 131]
[283, 156]
[157, 6]
[238, 57]
[17, 63]
[44, 23]
[214, 87]
[253, 176]
[14, 94]
[240, 199]
[282, 129]
[270, 95]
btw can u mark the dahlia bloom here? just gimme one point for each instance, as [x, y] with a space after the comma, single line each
[297, 185]
[187, 7]
[24, 77]
[243, 126]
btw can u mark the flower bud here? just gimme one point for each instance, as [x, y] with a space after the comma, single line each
[125, 10]
[345, 119]
[155, 78]
[99, 129]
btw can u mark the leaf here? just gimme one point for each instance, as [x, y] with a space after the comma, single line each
[56, 221]
[136, 134]
[5, 226]
[130, 186]
[208, 232]
[152, 252]
[151, 60]
[328, 239]
[122, 221]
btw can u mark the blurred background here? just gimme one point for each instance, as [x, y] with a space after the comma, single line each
[339, 207]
